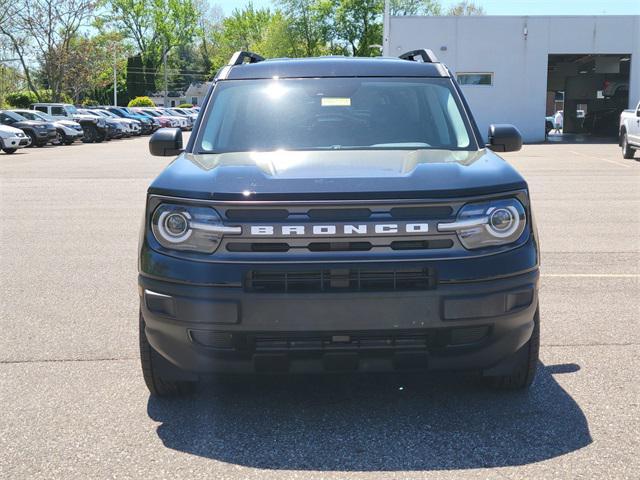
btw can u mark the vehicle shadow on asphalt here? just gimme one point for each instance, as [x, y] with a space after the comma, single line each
[374, 423]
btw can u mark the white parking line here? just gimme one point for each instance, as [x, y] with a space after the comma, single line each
[627, 165]
[592, 275]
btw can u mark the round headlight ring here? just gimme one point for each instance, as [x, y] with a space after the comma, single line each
[169, 220]
[497, 216]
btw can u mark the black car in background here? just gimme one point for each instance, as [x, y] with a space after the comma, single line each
[123, 112]
[40, 132]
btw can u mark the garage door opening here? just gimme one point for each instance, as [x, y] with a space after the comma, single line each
[589, 91]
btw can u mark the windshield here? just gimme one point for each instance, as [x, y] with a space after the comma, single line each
[17, 117]
[34, 115]
[42, 116]
[152, 113]
[335, 113]
[71, 109]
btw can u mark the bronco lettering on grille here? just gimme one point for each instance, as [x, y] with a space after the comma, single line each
[344, 229]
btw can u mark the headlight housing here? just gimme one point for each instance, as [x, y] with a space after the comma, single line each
[190, 228]
[486, 224]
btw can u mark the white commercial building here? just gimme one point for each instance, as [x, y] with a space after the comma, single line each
[513, 69]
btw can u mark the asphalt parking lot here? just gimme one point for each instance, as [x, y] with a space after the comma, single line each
[74, 405]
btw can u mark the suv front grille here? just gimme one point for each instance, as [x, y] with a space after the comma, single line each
[340, 280]
[302, 228]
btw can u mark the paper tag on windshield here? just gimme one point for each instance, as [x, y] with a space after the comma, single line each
[335, 102]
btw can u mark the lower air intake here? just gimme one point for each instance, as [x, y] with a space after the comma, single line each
[340, 280]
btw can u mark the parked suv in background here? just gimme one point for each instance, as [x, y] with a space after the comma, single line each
[184, 122]
[145, 123]
[67, 131]
[11, 139]
[93, 126]
[156, 122]
[38, 131]
[337, 215]
[164, 120]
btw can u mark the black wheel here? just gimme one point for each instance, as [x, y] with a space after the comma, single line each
[90, 134]
[34, 140]
[9, 150]
[627, 150]
[527, 362]
[100, 137]
[68, 142]
[151, 364]
[59, 140]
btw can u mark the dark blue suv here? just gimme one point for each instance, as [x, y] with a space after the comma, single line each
[146, 123]
[337, 215]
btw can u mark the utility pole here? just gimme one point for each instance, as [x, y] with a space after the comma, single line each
[385, 29]
[115, 77]
[166, 81]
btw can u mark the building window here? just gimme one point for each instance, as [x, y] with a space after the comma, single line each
[475, 78]
[194, 100]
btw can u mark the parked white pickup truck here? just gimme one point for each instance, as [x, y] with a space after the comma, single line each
[630, 131]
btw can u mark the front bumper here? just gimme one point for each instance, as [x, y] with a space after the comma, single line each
[455, 326]
[72, 133]
[45, 134]
[15, 142]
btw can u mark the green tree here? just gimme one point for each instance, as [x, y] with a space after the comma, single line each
[244, 29]
[136, 84]
[90, 62]
[358, 25]
[309, 25]
[415, 7]
[40, 32]
[22, 99]
[155, 27]
[464, 8]
[141, 102]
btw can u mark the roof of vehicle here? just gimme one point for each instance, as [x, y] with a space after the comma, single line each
[45, 104]
[333, 67]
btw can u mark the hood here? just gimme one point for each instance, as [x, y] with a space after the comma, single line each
[86, 116]
[337, 174]
[67, 123]
[8, 130]
[32, 123]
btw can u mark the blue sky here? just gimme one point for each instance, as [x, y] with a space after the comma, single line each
[508, 7]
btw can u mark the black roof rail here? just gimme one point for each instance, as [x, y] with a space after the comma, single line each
[425, 54]
[239, 57]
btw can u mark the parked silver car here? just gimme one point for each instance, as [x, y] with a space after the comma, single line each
[67, 131]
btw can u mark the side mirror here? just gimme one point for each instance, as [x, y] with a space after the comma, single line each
[166, 142]
[504, 138]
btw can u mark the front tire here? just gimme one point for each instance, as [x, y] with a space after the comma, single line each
[60, 138]
[627, 150]
[524, 370]
[90, 134]
[34, 139]
[151, 361]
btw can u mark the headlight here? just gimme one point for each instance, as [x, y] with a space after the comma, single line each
[197, 229]
[19, 134]
[496, 222]
[41, 126]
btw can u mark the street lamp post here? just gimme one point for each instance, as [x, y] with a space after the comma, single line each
[115, 77]
[385, 28]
